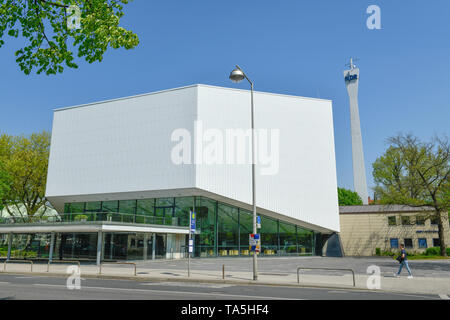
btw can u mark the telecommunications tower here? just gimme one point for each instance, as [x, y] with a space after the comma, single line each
[351, 77]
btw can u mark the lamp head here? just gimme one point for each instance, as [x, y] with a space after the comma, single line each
[237, 75]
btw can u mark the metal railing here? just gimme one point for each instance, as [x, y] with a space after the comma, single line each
[329, 269]
[6, 261]
[87, 217]
[63, 261]
[132, 263]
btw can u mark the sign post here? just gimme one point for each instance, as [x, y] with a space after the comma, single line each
[192, 227]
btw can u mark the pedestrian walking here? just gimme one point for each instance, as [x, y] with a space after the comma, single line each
[402, 258]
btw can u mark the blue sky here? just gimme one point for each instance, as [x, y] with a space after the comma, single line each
[293, 47]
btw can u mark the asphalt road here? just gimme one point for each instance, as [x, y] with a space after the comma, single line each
[280, 265]
[19, 287]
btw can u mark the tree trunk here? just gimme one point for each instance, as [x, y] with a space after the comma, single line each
[442, 215]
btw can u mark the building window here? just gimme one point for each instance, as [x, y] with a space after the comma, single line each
[110, 206]
[420, 220]
[288, 238]
[434, 220]
[436, 242]
[394, 243]
[305, 241]
[77, 207]
[423, 243]
[245, 228]
[91, 211]
[406, 220]
[183, 206]
[392, 221]
[408, 243]
[127, 209]
[205, 242]
[269, 236]
[228, 230]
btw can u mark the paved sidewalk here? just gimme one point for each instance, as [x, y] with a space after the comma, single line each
[425, 285]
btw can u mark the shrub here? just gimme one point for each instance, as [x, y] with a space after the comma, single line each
[433, 251]
[378, 251]
[80, 217]
[388, 253]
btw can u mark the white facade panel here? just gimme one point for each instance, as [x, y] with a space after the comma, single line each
[120, 146]
[305, 185]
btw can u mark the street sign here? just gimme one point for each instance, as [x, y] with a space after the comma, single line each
[193, 219]
[258, 222]
[191, 245]
[254, 243]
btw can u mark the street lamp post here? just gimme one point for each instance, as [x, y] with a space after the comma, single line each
[237, 75]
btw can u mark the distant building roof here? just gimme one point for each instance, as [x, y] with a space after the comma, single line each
[382, 208]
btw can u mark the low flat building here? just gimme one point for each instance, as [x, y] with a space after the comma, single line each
[366, 228]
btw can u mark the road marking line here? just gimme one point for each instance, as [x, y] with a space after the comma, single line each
[444, 297]
[187, 284]
[2, 282]
[170, 292]
[49, 285]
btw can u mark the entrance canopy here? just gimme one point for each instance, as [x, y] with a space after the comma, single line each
[104, 226]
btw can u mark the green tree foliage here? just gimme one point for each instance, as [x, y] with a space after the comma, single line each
[25, 161]
[52, 28]
[416, 173]
[5, 182]
[348, 197]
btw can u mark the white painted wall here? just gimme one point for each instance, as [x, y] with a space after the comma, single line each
[305, 187]
[121, 145]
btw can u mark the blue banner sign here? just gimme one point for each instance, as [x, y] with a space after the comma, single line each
[193, 218]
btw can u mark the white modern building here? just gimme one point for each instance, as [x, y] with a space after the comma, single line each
[125, 173]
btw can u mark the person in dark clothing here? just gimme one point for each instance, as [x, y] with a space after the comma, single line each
[404, 262]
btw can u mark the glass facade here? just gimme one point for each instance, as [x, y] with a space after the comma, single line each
[82, 246]
[269, 236]
[228, 230]
[26, 246]
[222, 229]
[205, 241]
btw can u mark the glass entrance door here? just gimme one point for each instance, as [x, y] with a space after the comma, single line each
[160, 246]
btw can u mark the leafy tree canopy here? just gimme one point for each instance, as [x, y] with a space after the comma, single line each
[348, 197]
[416, 173]
[25, 161]
[52, 28]
[5, 182]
